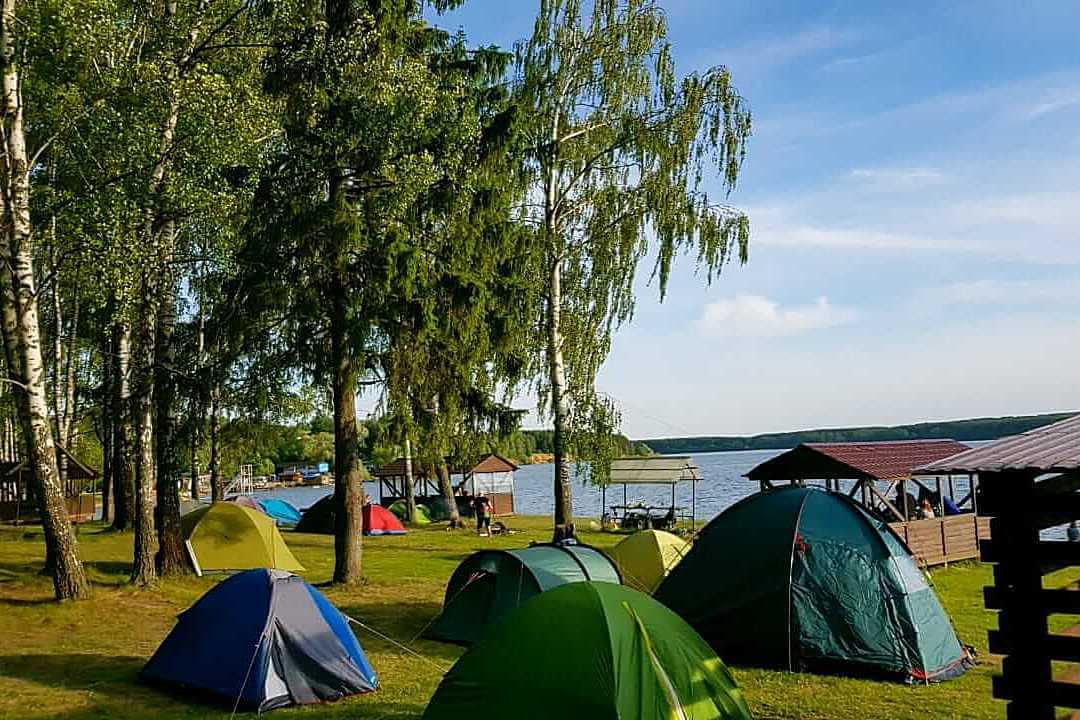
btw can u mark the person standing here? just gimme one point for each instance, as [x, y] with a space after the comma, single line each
[482, 508]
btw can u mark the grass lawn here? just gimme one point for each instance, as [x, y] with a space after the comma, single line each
[78, 661]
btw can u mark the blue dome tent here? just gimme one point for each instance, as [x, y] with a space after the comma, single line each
[282, 511]
[260, 640]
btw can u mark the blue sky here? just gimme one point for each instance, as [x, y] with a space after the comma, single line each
[913, 186]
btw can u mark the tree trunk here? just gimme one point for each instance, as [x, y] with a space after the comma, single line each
[448, 493]
[348, 484]
[410, 485]
[171, 556]
[194, 487]
[215, 474]
[564, 497]
[143, 571]
[18, 303]
[197, 405]
[156, 227]
[123, 489]
[71, 379]
[106, 427]
[58, 364]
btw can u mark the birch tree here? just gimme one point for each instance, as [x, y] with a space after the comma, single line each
[19, 317]
[623, 157]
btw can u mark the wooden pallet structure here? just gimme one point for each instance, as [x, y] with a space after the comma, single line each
[1028, 483]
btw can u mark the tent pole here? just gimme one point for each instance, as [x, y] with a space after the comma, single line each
[693, 505]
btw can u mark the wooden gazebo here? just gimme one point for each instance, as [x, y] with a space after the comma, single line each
[871, 472]
[492, 476]
[1028, 483]
[18, 503]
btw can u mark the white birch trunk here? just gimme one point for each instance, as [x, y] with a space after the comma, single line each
[19, 301]
[410, 484]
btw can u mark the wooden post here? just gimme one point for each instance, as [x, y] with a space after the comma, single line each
[1026, 670]
[693, 505]
[903, 491]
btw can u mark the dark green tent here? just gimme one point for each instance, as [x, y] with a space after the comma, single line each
[805, 579]
[590, 650]
[491, 583]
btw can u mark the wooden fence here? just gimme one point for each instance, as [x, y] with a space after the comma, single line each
[1022, 508]
[940, 541]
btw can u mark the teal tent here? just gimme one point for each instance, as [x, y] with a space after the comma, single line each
[491, 583]
[589, 650]
[805, 579]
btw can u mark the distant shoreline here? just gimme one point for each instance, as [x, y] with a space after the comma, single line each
[973, 429]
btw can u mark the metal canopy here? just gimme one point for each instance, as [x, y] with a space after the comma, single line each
[1052, 448]
[659, 470]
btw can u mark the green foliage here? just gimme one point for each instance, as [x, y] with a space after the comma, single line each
[521, 445]
[621, 157]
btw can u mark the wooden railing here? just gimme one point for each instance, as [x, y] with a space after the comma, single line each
[1022, 508]
[940, 541]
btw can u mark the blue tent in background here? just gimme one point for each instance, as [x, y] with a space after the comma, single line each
[263, 639]
[282, 511]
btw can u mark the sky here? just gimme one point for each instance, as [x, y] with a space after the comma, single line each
[913, 188]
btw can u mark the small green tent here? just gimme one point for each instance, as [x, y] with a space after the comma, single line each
[491, 583]
[422, 516]
[590, 650]
[229, 536]
[805, 579]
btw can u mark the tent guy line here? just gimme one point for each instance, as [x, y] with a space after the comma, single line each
[394, 642]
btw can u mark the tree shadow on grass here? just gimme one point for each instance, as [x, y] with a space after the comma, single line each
[71, 670]
[117, 692]
[109, 567]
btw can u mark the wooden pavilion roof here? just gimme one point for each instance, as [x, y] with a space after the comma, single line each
[491, 463]
[855, 461]
[1048, 449]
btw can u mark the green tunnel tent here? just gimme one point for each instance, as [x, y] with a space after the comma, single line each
[805, 579]
[399, 510]
[489, 584]
[590, 650]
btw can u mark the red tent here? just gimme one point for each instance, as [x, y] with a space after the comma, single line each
[245, 500]
[380, 521]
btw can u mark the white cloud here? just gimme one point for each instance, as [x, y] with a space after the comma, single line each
[1001, 292]
[776, 226]
[758, 316]
[856, 61]
[760, 57]
[1052, 101]
[897, 178]
[964, 213]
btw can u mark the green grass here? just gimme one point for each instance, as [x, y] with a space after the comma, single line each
[78, 661]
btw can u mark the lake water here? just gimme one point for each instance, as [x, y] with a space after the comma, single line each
[723, 485]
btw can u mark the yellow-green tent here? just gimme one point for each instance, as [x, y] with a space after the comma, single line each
[645, 558]
[228, 536]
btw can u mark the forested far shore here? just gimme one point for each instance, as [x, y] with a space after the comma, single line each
[974, 429]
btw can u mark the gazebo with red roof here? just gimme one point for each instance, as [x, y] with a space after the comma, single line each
[871, 472]
[492, 476]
